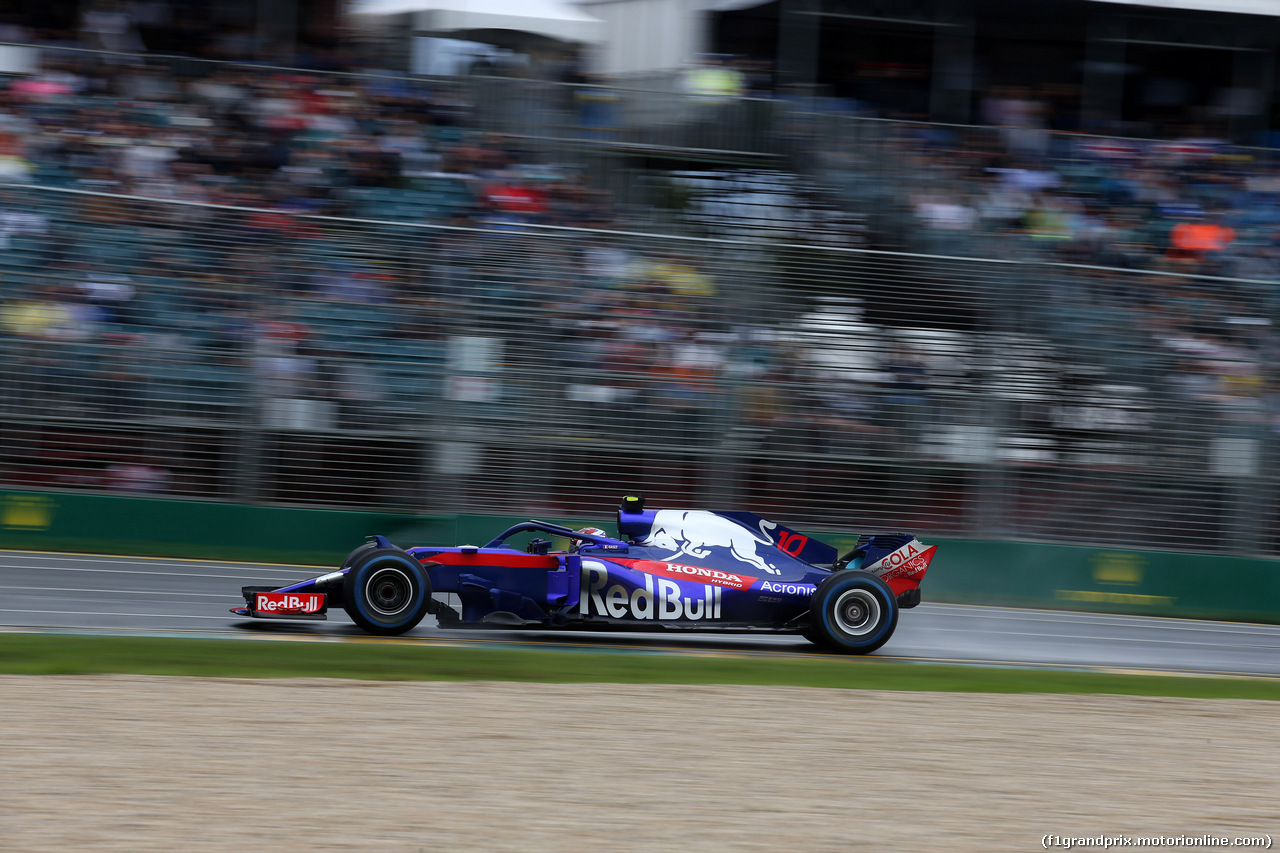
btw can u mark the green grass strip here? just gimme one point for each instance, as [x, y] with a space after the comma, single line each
[46, 654]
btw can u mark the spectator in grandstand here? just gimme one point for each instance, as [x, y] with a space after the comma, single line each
[1021, 115]
[841, 413]
[714, 80]
[14, 167]
[1224, 376]
[50, 313]
[679, 276]
[572, 203]
[608, 262]
[906, 395]
[15, 221]
[109, 294]
[1196, 240]
[944, 214]
[109, 26]
[350, 381]
[283, 360]
[686, 380]
[510, 200]
[118, 386]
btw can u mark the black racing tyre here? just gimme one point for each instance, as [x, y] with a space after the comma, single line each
[853, 611]
[351, 558]
[386, 591]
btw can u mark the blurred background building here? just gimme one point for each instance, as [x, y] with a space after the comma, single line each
[976, 268]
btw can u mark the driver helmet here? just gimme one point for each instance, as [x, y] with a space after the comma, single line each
[591, 531]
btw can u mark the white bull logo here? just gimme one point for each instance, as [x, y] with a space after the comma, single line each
[696, 533]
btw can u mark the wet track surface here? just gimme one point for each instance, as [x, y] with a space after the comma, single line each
[133, 595]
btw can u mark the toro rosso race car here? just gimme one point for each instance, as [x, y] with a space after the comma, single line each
[666, 569]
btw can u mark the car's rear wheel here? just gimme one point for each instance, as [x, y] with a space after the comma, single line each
[386, 591]
[853, 611]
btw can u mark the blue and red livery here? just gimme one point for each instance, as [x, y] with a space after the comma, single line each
[666, 569]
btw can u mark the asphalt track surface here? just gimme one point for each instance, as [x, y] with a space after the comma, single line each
[78, 593]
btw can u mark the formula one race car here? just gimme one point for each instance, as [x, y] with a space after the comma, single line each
[666, 569]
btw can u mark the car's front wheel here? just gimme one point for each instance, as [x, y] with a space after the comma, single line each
[386, 591]
[852, 611]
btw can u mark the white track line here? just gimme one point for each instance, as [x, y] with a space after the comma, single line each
[1110, 639]
[138, 572]
[113, 613]
[1149, 623]
[1082, 616]
[177, 561]
[120, 591]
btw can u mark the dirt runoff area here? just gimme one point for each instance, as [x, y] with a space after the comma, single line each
[127, 763]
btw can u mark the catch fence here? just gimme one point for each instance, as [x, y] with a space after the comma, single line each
[669, 158]
[251, 355]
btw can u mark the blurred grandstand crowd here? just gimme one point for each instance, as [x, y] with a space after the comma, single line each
[1191, 205]
[193, 240]
[243, 286]
[291, 142]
